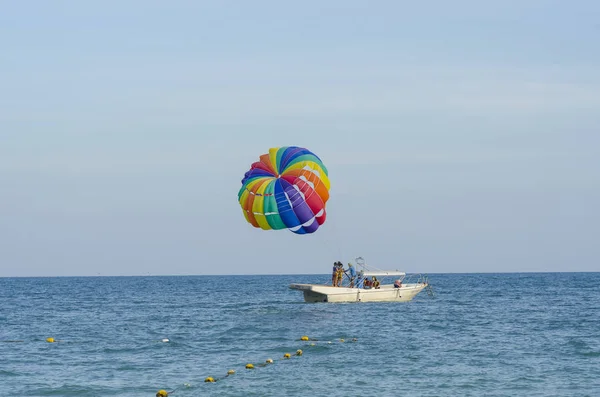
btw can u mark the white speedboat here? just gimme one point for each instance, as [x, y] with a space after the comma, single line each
[399, 291]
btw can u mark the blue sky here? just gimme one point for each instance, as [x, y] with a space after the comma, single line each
[459, 136]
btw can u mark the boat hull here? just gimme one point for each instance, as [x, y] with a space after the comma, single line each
[387, 293]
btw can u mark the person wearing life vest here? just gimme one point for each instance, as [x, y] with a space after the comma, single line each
[340, 274]
[334, 274]
[368, 283]
[375, 283]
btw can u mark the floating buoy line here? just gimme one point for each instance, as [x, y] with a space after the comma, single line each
[211, 379]
[252, 366]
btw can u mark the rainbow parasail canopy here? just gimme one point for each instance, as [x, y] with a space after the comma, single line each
[286, 189]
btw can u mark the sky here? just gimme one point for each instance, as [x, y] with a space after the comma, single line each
[459, 136]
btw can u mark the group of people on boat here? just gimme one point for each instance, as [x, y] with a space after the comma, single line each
[362, 282]
[338, 273]
[372, 283]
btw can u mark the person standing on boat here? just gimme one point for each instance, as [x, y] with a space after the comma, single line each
[352, 274]
[340, 274]
[334, 274]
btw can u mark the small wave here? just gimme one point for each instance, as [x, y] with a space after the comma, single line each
[590, 354]
[68, 390]
[436, 327]
[122, 350]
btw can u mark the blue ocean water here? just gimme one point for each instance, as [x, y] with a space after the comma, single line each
[526, 334]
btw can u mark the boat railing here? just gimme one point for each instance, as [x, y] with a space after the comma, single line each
[424, 279]
[421, 279]
[417, 278]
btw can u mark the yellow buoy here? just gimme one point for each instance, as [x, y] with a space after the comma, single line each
[209, 379]
[305, 338]
[298, 352]
[162, 393]
[249, 366]
[269, 361]
[230, 372]
[341, 340]
[286, 355]
[50, 340]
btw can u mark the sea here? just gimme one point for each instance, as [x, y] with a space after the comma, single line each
[506, 334]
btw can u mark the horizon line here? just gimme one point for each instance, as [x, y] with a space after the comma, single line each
[290, 274]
